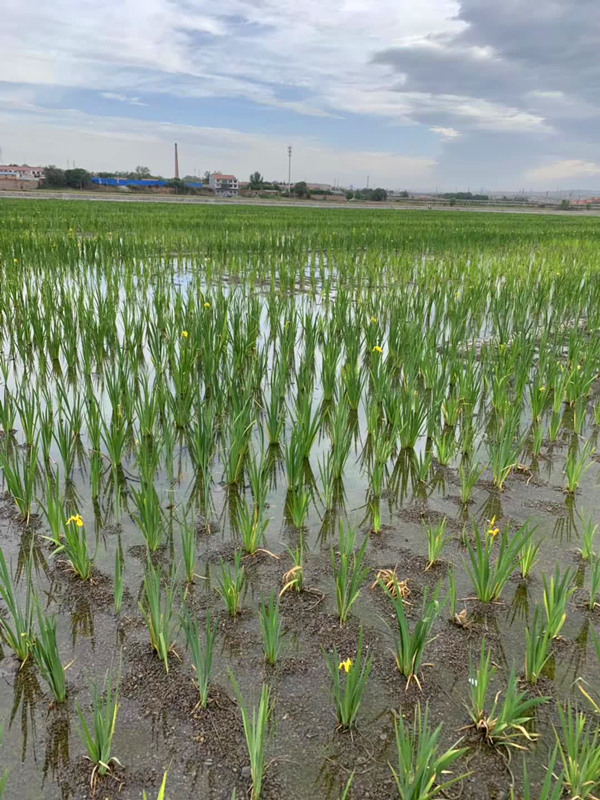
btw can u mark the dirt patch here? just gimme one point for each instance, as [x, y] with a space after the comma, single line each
[68, 590]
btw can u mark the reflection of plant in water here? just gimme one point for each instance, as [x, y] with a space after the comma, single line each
[57, 742]
[519, 607]
[82, 621]
[31, 554]
[27, 691]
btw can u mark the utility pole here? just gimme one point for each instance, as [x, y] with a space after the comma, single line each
[176, 163]
[289, 170]
[368, 176]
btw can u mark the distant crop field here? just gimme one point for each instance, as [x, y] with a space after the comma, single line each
[298, 502]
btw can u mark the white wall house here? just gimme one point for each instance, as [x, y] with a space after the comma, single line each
[21, 172]
[226, 185]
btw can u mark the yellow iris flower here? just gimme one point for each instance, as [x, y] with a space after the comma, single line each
[377, 349]
[77, 519]
[346, 665]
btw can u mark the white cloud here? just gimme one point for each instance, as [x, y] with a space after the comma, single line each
[446, 133]
[233, 48]
[404, 106]
[560, 171]
[123, 98]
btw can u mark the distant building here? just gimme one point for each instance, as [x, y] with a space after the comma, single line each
[22, 172]
[20, 176]
[224, 185]
[588, 201]
[319, 187]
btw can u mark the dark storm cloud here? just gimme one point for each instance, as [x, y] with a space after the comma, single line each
[539, 57]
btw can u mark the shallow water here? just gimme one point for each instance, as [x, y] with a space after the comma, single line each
[307, 757]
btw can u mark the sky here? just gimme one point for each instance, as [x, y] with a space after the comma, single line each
[446, 94]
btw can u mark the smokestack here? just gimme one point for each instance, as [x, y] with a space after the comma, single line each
[176, 163]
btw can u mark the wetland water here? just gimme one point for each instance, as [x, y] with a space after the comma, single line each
[312, 369]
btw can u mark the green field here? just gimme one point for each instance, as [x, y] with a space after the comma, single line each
[286, 490]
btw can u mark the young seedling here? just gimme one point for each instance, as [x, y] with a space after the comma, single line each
[272, 629]
[16, 625]
[256, 726]
[577, 464]
[232, 583]
[528, 557]
[436, 537]
[552, 788]
[503, 721]
[594, 582]
[47, 658]
[410, 647]
[422, 766]
[149, 517]
[537, 649]
[98, 737]
[490, 575]
[588, 534]
[293, 579]
[348, 682]
[188, 549]
[156, 607]
[469, 477]
[75, 547]
[201, 652]
[348, 573]
[557, 592]
[252, 526]
[579, 748]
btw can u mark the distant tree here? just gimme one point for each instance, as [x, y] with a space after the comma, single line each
[54, 176]
[379, 194]
[177, 185]
[466, 196]
[349, 195]
[77, 178]
[300, 189]
[142, 172]
[564, 204]
[256, 181]
[404, 194]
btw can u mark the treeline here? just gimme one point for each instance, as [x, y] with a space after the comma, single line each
[76, 178]
[465, 196]
[377, 194]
